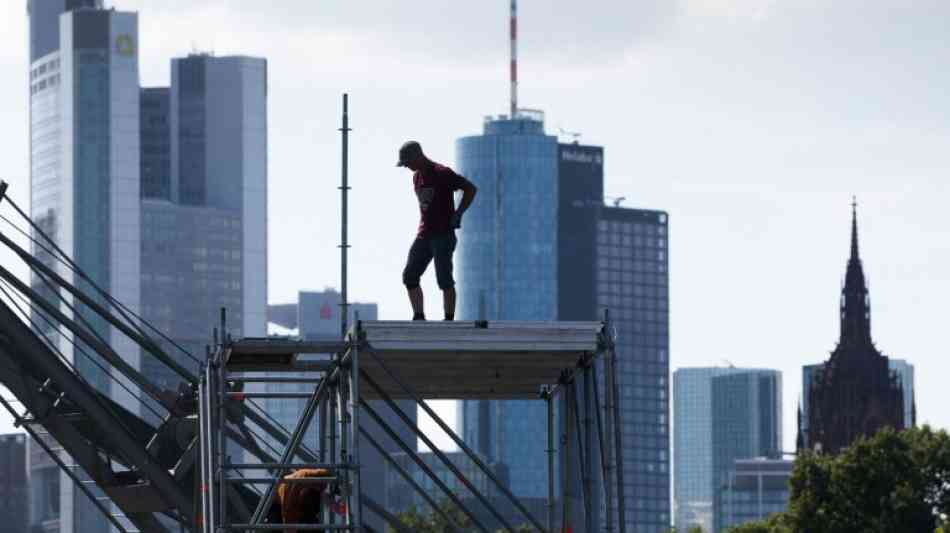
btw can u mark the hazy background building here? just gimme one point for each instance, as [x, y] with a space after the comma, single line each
[204, 204]
[720, 415]
[14, 490]
[540, 245]
[746, 423]
[754, 489]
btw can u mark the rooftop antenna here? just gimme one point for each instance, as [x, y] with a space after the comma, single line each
[574, 135]
[514, 58]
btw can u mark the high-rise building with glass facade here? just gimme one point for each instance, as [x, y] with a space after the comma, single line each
[105, 186]
[507, 270]
[538, 244]
[720, 415]
[747, 423]
[204, 244]
[633, 284]
[84, 182]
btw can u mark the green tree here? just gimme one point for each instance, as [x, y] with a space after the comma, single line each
[892, 482]
[434, 522]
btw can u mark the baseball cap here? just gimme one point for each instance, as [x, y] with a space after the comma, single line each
[407, 152]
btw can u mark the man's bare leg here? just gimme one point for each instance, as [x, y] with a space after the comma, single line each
[448, 302]
[415, 299]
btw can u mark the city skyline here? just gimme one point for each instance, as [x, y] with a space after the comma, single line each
[756, 159]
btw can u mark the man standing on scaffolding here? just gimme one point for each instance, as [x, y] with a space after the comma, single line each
[435, 187]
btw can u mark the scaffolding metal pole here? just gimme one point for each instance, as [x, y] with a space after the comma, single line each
[409, 479]
[221, 416]
[458, 441]
[213, 430]
[422, 465]
[354, 425]
[604, 465]
[589, 446]
[613, 391]
[287, 456]
[566, 461]
[581, 456]
[551, 451]
[448, 464]
[344, 191]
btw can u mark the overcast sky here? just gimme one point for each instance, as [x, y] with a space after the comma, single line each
[751, 122]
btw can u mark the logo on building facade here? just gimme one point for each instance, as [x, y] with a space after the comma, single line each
[125, 45]
[582, 157]
[326, 312]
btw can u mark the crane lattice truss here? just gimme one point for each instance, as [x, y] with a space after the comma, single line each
[207, 458]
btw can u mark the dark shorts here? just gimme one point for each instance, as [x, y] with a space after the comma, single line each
[424, 249]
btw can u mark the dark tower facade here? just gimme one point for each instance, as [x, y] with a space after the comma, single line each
[854, 393]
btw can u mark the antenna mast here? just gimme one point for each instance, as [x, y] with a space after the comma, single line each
[514, 58]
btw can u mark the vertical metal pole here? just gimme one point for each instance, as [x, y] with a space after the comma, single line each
[566, 450]
[323, 425]
[550, 405]
[203, 435]
[607, 451]
[209, 482]
[222, 418]
[589, 447]
[613, 391]
[344, 190]
[334, 405]
[355, 424]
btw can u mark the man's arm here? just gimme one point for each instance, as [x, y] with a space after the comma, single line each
[468, 195]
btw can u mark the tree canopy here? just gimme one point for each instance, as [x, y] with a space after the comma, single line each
[892, 482]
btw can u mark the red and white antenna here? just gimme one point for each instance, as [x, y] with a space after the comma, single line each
[514, 58]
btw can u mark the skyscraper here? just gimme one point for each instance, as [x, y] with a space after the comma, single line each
[204, 203]
[858, 390]
[508, 271]
[747, 423]
[108, 161]
[540, 245]
[720, 415]
[84, 179]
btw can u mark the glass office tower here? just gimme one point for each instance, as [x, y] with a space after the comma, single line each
[692, 446]
[84, 183]
[507, 270]
[539, 244]
[204, 203]
[632, 282]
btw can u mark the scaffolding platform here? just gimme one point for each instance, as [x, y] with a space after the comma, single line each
[552, 362]
[476, 360]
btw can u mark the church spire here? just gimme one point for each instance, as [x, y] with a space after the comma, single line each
[855, 304]
[854, 229]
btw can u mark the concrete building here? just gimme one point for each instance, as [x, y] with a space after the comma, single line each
[720, 415]
[14, 490]
[754, 489]
[316, 316]
[539, 244]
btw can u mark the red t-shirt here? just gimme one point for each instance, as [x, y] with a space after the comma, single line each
[435, 188]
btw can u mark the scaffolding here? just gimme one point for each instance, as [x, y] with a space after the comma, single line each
[399, 360]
